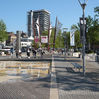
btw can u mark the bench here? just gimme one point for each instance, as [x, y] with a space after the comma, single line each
[77, 66]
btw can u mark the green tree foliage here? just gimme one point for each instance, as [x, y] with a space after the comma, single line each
[96, 17]
[96, 10]
[3, 33]
[59, 43]
[92, 33]
[92, 36]
[44, 33]
[66, 39]
[89, 24]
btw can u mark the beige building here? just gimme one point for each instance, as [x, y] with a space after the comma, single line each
[11, 39]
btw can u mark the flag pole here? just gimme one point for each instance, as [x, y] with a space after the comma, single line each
[33, 31]
[39, 31]
[48, 33]
[54, 35]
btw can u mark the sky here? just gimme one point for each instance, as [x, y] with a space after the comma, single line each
[14, 12]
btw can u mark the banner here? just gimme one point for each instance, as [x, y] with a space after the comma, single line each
[44, 39]
[36, 39]
[72, 38]
[38, 26]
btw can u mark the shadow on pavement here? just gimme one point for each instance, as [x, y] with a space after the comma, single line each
[93, 75]
[63, 60]
[74, 80]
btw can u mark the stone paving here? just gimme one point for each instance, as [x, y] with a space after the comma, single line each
[71, 84]
[31, 89]
[23, 85]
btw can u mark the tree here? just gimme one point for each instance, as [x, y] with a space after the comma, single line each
[59, 41]
[93, 30]
[94, 38]
[44, 33]
[66, 39]
[3, 33]
[96, 10]
[89, 24]
[96, 17]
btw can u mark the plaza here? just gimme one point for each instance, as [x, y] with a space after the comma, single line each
[53, 79]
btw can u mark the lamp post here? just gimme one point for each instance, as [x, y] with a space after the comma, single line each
[83, 5]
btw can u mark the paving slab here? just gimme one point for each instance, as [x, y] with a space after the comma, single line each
[71, 83]
[29, 89]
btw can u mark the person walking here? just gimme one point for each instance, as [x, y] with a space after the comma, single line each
[34, 53]
[42, 53]
[20, 53]
[11, 51]
[17, 54]
[28, 53]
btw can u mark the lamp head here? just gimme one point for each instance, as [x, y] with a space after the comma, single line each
[83, 3]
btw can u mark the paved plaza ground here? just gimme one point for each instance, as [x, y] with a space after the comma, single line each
[31, 89]
[70, 82]
[65, 82]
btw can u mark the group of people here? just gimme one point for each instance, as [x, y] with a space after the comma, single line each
[28, 52]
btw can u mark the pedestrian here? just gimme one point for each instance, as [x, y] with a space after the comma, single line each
[42, 53]
[17, 54]
[62, 51]
[34, 52]
[20, 53]
[11, 51]
[28, 53]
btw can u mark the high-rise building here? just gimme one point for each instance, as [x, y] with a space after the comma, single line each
[43, 16]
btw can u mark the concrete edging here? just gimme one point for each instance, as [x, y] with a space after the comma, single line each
[53, 89]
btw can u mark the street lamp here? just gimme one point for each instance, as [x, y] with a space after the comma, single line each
[83, 5]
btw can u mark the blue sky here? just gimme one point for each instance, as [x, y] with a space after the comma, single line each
[14, 12]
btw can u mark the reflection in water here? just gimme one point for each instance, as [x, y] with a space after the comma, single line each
[25, 69]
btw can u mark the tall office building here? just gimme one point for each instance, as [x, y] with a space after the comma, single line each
[43, 16]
